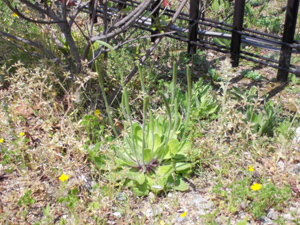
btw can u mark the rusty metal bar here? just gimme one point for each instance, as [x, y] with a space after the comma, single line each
[236, 38]
[288, 37]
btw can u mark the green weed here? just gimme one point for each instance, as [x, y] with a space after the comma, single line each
[253, 75]
[152, 151]
[256, 198]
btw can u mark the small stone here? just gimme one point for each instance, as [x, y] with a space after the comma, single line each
[296, 139]
[157, 211]
[208, 205]
[280, 164]
[117, 214]
[287, 216]
[266, 220]
[201, 212]
[202, 203]
[198, 200]
[149, 213]
[296, 169]
[181, 219]
[243, 205]
[121, 197]
[272, 214]
[210, 54]
[298, 134]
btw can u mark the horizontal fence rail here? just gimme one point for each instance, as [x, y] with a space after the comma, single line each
[285, 45]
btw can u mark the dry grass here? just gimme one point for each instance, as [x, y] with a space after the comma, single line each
[41, 114]
[54, 144]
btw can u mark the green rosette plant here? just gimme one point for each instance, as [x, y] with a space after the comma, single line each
[156, 151]
[203, 103]
[263, 122]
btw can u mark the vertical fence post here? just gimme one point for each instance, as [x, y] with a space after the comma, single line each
[93, 10]
[122, 5]
[238, 19]
[154, 19]
[193, 26]
[288, 37]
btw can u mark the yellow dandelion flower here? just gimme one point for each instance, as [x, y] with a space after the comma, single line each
[15, 15]
[1, 140]
[250, 168]
[21, 133]
[256, 187]
[97, 112]
[64, 177]
[183, 214]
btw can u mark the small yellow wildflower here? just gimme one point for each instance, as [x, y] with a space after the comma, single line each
[97, 112]
[27, 11]
[183, 214]
[64, 177]
[15, 15]
[250, 168]
[1, 140]
[256, 187]
[21, 133]
[161, 222]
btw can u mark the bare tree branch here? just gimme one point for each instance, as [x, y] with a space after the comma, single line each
[32, 43]
[65, 17]
[124, 23]
[20, 47]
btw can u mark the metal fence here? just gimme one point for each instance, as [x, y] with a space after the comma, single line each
[236, 32]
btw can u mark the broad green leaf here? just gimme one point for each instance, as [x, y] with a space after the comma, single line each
[147, 156]
[137, 136]
[177, 184]
[185, 147]
[136, 175]
[180, 185]
[173, 147]
[96, 45]
[149, 179]
[140, 178]
[179, 157]
[158, 184]
[141, 190]
[164, 170]
[243, 222]
[215, 6]
[156, 141]
[160, 151]
[164, 153]
[182, 166]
